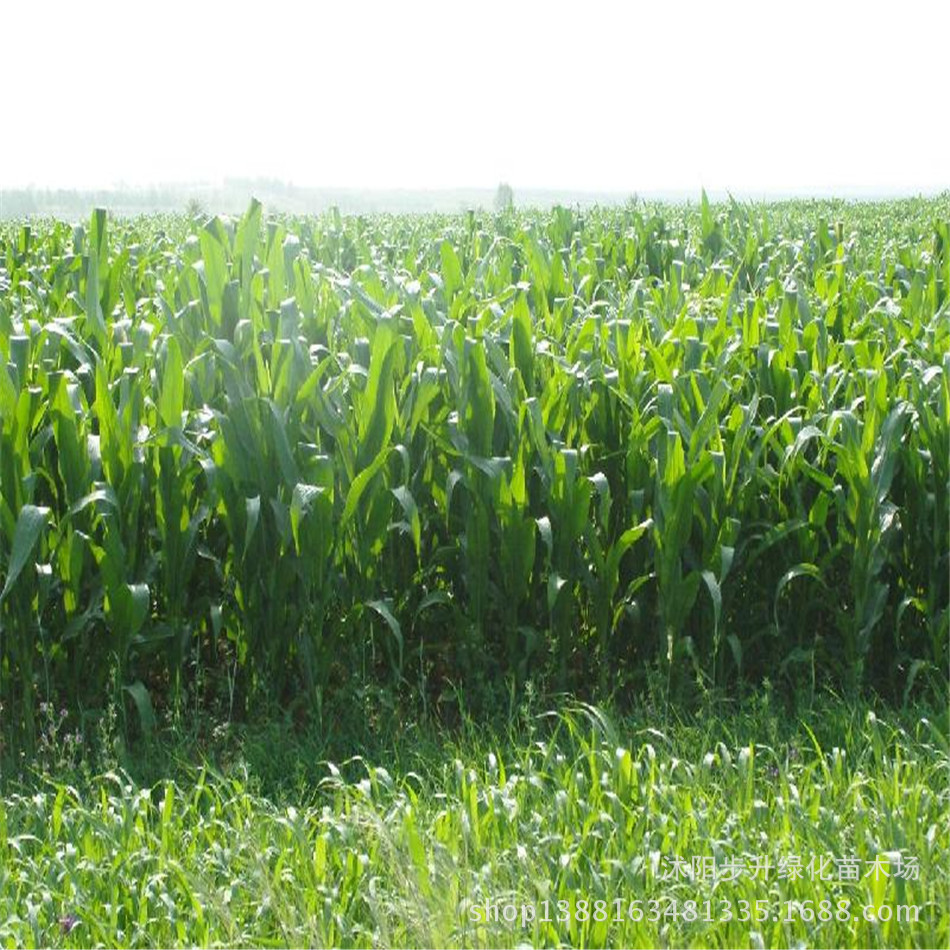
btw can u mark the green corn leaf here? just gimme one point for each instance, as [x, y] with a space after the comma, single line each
[253, 517]
[96, 261]
[799, 570]
[452, 276]
[214, 255]
[358, 487]
[411, 512]
[143, 706]
[520, 344]
[29, 527]
[708, 421]
[304, 497]
[383, 609]
[376, 422]
[172, 399]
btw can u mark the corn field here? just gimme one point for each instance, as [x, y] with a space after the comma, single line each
[695, 446]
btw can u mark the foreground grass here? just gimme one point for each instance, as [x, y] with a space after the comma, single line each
[565, 807]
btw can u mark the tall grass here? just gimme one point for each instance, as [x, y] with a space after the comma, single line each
[571, 807]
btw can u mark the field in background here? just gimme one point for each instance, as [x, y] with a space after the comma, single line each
[291, 473]
[231, 196]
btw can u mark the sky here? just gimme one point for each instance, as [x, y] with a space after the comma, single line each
[755, 98]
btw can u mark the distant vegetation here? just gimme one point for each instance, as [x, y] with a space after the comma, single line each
[232, 196]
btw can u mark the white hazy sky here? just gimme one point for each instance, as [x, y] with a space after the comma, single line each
[638, 96]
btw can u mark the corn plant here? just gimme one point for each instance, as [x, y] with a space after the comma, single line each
[597, 449]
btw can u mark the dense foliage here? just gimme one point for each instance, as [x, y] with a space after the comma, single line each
[681, 446]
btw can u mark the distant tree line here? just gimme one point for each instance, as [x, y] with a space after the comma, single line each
[233, 195]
